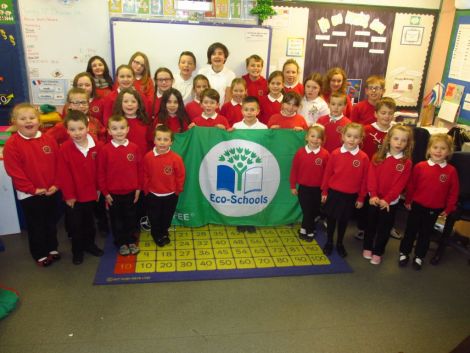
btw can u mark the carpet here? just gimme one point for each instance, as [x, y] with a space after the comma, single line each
[219, 252]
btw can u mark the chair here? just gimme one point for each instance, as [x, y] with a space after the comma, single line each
[421, 137]
[461, 161]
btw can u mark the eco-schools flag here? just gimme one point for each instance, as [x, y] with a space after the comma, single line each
[237, 178]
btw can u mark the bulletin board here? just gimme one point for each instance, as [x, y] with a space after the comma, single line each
[163, 41]
[364, 40]
[457, 68]
[12, 74]
[59, 38]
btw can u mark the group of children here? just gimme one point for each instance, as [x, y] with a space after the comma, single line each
[115, 142]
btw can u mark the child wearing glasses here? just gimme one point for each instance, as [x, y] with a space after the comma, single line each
[143, 83]
[78, 99]
[163, 82]
[364, 111]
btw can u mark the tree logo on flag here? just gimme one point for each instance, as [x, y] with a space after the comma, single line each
[242, 164]
[239, 177]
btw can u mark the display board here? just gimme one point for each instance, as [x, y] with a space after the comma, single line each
[59, 38]
[12, 74]
[457, 69]
[364, 40]
[164, 41]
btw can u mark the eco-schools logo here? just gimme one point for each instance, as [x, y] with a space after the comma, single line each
[239, 177]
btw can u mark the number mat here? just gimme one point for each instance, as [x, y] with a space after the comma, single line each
[219, 252]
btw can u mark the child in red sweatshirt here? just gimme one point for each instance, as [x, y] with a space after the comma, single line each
[433, 191]
[31, 161]
[120, 181]
[77, 180]
[164, 175]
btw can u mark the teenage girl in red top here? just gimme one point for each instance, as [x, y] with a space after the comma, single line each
[98, 69]
[172, 112]
[336, 81]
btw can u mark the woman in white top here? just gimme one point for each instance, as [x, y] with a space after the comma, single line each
[220, 77]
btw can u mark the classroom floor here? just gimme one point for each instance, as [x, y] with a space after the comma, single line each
[381, 309]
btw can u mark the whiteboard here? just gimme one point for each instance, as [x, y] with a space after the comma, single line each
[164, 41]
[59, 37]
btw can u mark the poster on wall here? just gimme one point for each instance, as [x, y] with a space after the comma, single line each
[349, 39]
[54, 52]
[12, 89]
[407, 59]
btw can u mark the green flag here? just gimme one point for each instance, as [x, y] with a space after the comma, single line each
[237, 178]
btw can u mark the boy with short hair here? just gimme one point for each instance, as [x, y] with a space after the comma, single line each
[256, 85]
[164, 175]
[209, 117]
[364, 111]
[77, 178]
[250, 110]
[334, 122]
[120, 182]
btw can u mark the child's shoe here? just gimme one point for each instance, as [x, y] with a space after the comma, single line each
[166, 240]
[341, 250]
[310, 236]
[54, 255]
[403, 260]
[376, 260]
[417, 263]
[367, 254]
[124, 250]
[94, 250]
[328, 248]
[43, 262]
[395, 234]
[133, 249]
[359, 235]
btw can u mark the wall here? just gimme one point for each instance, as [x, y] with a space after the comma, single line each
[416, 4]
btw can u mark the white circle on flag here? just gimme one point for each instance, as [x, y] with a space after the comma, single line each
[239, 177]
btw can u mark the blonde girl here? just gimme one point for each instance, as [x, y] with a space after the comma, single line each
[308, 167]
[344, 185]
[433, 191]
[31, 161]
[388, 175]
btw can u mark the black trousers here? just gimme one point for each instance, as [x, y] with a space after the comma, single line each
[378, 229]
[160, 210]
[40, 214]
[310, 201]
[81, 223]
[123, 214]
[419, 226]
